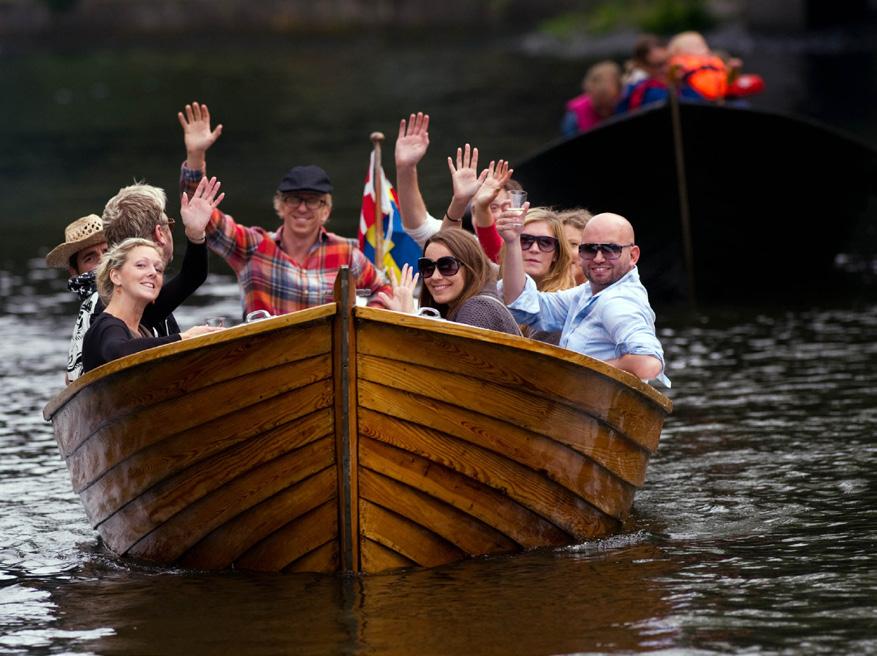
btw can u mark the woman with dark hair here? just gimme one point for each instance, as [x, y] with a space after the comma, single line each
[649, 60]
[458, 281]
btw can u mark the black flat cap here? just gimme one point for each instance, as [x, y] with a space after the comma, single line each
[306, 178]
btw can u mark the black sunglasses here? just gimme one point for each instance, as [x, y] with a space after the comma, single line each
[545, 244]
[447, 266]
[610, 251]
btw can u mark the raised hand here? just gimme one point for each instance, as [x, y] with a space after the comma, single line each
[413, 140]
[510, 223]
[196, 211]
[493, 183]
[197, 135]
[464, 176]
[402, 299]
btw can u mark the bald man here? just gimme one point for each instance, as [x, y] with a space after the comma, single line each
[608, 317]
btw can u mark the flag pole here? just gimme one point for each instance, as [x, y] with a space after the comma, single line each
[682, 190]
[377, 180]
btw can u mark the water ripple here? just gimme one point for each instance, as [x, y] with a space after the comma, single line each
[755, 532]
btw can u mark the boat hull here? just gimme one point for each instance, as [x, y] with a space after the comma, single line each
[353, 439]
[773, 200]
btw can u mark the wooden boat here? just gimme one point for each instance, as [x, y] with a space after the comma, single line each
[354, 439]
[771, 200]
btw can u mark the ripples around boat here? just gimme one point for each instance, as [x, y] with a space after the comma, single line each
[755, 532]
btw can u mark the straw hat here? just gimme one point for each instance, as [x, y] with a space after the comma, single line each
[82, 233]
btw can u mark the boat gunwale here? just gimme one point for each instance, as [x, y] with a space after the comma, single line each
[231, 334]
[381, 315]
[517, 342]
[851, 140]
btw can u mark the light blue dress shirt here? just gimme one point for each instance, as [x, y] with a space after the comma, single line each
[605, 325]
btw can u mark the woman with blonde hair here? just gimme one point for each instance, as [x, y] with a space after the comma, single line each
[574, 221]
[129, 278]
[458, 281]
[548, 259]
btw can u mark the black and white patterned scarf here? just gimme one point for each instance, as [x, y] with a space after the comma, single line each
[83, 285]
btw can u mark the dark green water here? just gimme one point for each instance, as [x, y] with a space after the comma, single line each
[756, 531]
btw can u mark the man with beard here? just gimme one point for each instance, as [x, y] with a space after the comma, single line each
[608, 317]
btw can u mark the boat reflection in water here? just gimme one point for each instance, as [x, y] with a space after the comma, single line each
[354, 439]
[609, 597]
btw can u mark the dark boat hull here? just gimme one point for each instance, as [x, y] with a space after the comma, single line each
[773, 200]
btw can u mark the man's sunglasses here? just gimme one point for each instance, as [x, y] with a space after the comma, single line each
[447, 266]
[545, 244]
[610, 251]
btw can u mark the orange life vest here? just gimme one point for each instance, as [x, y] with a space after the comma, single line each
[706, 74]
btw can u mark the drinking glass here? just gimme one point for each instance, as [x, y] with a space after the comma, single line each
[517, 197]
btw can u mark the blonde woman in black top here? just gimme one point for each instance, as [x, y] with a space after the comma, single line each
[129, 278]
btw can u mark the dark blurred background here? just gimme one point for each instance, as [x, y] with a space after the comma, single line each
[90, 88]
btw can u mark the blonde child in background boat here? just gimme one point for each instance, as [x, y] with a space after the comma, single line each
[458, 281]
[714, 75]
[602, 91]
[129, 278]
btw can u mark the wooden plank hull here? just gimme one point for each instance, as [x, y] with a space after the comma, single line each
[759, 184]
[356, 440]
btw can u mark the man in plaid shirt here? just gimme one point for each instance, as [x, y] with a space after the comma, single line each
[295, 267]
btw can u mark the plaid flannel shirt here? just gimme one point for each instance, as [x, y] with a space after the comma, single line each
[270, 279]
